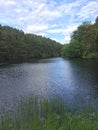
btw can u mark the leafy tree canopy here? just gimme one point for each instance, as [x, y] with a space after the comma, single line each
[84, 41]
[16, 46]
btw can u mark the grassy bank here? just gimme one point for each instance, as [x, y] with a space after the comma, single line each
[48, 115]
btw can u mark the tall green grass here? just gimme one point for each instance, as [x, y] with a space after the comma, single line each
[33, 114]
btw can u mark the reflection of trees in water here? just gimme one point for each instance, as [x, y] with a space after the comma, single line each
[85, 74]
[73, 80]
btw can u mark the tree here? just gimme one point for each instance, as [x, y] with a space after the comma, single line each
[72, 50]
[78, 34]
[88, 40]
[96, 37]
[65, 51]
[16, 46]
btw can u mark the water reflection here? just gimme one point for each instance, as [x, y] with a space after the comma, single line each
[76, 81]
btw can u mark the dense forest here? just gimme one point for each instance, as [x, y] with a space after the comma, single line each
[84, 42]
[16, 46]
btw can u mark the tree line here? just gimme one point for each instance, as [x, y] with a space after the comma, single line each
[16, 46]
[84, 42]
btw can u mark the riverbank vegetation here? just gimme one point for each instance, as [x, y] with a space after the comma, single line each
[16, 46]
[84, 42]
[33, 114]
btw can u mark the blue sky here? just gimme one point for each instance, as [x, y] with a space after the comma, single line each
[56, 19]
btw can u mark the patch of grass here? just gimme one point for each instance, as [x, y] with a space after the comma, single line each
[33, 114]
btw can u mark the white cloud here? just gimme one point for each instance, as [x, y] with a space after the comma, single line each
[89, 10]
[7, 2]
[36, 28]
[44, 16]
[67, 33]
[70, 29]
[57, 30]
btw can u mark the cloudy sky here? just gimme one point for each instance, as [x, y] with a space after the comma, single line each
[55, 19]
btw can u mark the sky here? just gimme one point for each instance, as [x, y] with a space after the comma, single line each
[55, 19]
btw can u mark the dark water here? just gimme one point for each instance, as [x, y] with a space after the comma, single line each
[75, 81]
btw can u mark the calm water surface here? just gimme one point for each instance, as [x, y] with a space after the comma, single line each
[75, 81]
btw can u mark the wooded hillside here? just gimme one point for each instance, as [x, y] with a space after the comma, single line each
[16, 46]
[84, 42]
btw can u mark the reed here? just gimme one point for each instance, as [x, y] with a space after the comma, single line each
[33, 114]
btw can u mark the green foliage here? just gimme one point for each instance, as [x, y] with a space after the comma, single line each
[77, 35]
[96, 22]
[84, 42]
[88, 40]
[33, 114]
[15, 46]
[96, 39]
[75, 49]
[92, 55]
[65, 51]
[72, 50]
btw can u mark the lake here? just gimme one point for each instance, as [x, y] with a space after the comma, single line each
[75, 81]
